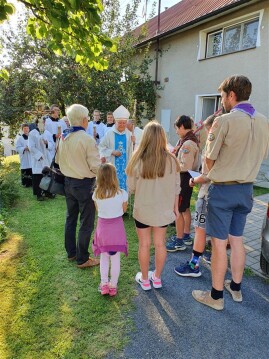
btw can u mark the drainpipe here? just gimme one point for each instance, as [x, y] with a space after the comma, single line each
[158, 45]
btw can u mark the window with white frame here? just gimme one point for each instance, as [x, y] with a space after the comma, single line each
[238, 37]
[206, 105]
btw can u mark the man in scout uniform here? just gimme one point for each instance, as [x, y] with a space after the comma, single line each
[236, 146]
[188, 155]
[79, 161]
[117, 145]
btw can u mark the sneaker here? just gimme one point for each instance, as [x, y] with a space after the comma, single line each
[171, 238]
[156, 282]
[237, 295]
[113, 291]
[188, 240]
[185, 270]
[205, 298]
[103, 289]
[207, 257]
[145, 284]
[177, 245]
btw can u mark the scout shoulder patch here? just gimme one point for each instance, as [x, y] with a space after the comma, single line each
[211, 136]
[185, 150]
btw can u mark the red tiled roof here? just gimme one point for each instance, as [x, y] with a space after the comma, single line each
[183, 14]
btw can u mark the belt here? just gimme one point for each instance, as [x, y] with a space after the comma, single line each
[227, 183]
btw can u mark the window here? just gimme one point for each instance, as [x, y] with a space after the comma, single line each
[233, 38]
[210, 105]
[206, 105]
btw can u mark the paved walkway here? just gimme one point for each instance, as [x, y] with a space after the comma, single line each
[252, 233]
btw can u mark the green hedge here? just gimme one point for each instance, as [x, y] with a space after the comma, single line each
[9, 189]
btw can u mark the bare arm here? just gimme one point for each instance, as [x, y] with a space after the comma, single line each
[209, 163]
[124, 206]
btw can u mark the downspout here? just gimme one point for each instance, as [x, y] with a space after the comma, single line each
[156, 82]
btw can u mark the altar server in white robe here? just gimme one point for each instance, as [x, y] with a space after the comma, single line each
[39, 157]
[25, 157]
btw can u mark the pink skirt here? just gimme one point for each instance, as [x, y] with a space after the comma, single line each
[110, 236]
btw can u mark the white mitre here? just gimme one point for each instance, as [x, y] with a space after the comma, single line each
[121, 113]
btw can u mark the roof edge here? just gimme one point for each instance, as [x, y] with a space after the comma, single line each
[201, 19]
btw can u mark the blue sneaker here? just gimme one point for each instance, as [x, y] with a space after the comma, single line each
[207, 257]
[185, 270]
[171, 238]
[188, 240]
[177, 245]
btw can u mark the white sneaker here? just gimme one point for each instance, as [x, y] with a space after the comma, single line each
[145, 284]
[156, 282]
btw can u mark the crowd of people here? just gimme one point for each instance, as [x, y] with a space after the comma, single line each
[105, 163]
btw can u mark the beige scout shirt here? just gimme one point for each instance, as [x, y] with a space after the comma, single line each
[78, 156]
[188, 156]
[238, 144]
[155, 198]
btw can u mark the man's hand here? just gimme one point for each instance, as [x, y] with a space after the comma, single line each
[103, 160]
[116, 153]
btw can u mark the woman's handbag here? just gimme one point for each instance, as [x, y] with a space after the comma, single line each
[52, 181]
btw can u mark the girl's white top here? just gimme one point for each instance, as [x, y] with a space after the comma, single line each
[111, 207]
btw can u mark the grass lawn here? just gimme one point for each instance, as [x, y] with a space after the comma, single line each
[48, 307]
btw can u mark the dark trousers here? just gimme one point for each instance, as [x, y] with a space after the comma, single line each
[26, 177]
[78, 194]
[37, 191]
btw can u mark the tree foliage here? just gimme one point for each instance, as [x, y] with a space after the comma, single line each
[37, 73]
[70, 28]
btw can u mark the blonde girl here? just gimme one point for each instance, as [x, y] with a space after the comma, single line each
[110, 237]
[153, 175]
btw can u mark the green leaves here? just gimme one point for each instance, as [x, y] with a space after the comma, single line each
[70, 27]
[4, 74]
[6, 9]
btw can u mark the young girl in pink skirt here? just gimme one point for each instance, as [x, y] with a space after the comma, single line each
[110, 237]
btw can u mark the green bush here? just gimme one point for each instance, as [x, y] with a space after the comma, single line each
[3, 229]
[9, 184]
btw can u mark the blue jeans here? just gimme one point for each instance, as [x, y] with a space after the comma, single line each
[78, 194]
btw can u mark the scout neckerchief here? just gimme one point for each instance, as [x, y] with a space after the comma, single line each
[189, 136]
[71, 129]
[245, 107]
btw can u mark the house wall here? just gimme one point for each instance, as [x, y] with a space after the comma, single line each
[188, 76]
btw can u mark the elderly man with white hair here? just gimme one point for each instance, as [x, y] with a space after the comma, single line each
[79, 161]
[117, 145]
